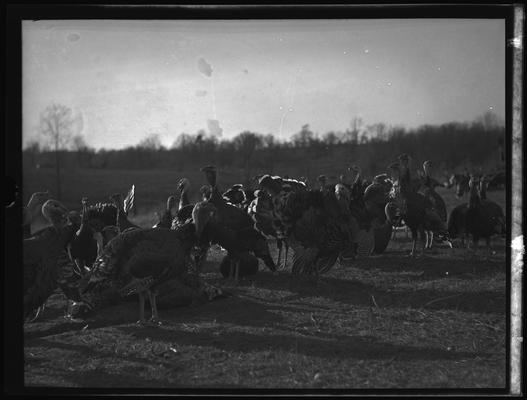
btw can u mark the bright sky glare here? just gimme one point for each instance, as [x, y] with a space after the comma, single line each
[133, 78]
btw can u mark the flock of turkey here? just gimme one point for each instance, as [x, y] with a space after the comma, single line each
[97, 256]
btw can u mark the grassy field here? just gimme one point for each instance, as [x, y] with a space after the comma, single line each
[381, 322]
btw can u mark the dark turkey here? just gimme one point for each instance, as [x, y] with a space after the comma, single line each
[44, 255]
[233, 229]
[140, 260]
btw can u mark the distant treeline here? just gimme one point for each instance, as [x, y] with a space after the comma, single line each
[451, 146]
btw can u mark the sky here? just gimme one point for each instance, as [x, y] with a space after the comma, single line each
[129, 79]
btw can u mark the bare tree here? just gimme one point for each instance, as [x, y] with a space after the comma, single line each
[356, 128]
[57, 123]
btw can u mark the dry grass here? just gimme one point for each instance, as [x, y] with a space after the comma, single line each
[381, 322]
[385, 322]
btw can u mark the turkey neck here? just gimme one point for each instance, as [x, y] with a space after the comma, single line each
[215, 196]
[183, 199]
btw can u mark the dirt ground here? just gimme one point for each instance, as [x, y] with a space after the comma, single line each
[381, 322]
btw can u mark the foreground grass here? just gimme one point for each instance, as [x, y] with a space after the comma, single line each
[383, 322]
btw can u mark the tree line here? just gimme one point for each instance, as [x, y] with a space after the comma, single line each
[452, 146]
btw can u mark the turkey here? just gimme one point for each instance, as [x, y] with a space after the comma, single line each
[376, 195]
[286, 202]
[428, 190]
[355, 213]
[414, 208]
[483, 217]
[367, 232]
[184, 214]
[315, 224]
[492, 208]
[359, 185]
[165, 221]
[457, 223]
[375, 198]
[44, 254]
[184, 211]
[235, 195]
[102, 215]
[140, 260]
[32, 218]
[460, 183]
[86, 244]
[111, 218]
[357, 189]
[320, 235]
[239, 196]
[392, 209]
[261, 211]
[234, 228]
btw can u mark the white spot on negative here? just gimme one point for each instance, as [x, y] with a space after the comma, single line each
[517, 243]
[366, 51]
[516, 42]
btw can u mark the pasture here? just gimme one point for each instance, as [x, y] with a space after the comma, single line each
[385, 321]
